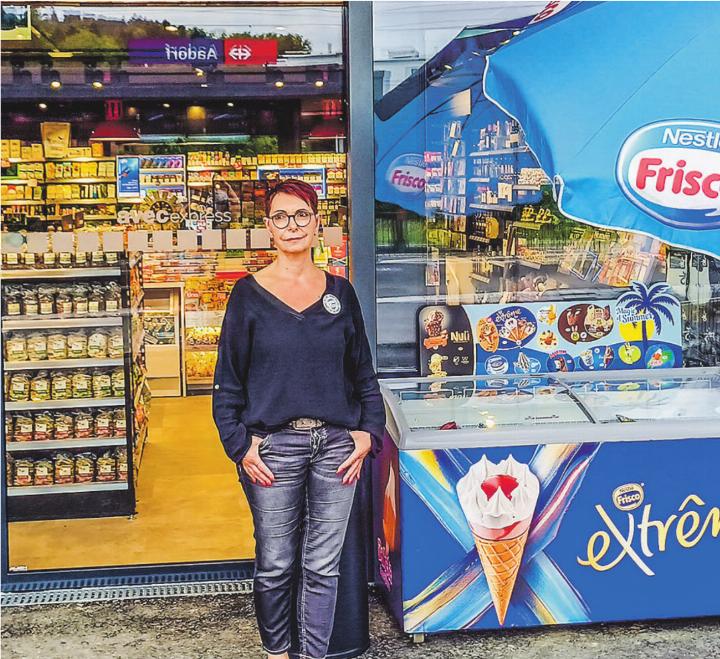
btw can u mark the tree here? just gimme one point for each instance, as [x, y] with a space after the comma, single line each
[651, 303]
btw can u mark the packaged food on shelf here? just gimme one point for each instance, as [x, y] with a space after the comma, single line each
[118, 422]
[57, 346]
[46, 299]
[60, 385]
[102, 384]
[77, 344]
[12, 301]
[64, 301]
[97, 344]
[64, 467]
[96, 299]
[19, 387]
[200, 365]
[23, 427]
[85, 467]
[30, 301]
[202, 335]
[37, 346]
[16, 349]
[40, 387]
[102, 423]
[44, 471]
[80, 299]
[118, 382]
[122, 463]
[43, 427]
[81, 384]
[9, 469]
[116, 346]
[64, 425]
[113, 297]
[106, 467]
[24, 472]
[9, 428]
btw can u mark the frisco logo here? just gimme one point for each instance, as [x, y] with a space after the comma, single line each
[407, 173]
[671, 170]
[628, 497]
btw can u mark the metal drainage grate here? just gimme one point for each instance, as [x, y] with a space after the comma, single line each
[114, 593]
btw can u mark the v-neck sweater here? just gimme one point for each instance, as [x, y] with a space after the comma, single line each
[276, 364]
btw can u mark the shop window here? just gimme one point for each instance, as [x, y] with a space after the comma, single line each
[464, 213]
[137, 154]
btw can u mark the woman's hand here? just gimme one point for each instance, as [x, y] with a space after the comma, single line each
[254, 467]
[354, 463]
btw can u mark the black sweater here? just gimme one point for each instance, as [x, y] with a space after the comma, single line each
[275, 364]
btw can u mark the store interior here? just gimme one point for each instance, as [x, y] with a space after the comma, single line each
[133, 189]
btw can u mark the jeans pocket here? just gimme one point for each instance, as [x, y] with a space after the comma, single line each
[264, 444]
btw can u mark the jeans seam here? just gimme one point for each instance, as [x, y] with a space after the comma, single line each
[301, 622]
[285, 649]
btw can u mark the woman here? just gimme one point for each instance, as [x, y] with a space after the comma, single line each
[298, 408]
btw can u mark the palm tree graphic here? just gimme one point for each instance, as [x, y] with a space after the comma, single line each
[651, 303]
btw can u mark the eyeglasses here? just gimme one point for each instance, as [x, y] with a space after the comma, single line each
[282, 219]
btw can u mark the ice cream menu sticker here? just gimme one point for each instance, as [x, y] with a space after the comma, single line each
[640, 329]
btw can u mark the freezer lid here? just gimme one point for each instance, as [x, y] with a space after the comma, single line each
[486, 411]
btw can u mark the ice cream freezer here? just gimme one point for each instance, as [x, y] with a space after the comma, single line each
[538, 500]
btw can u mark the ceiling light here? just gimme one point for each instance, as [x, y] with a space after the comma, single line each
[230, 104]
[319, 83]
[166, 105]
[279, 84]
[277, 78]
[204, 84]
[51, 77]
[42, 106]
[55, 84]
[171, 28]
[97, 84]
[199, 73]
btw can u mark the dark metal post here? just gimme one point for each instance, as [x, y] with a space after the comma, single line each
[361, 161]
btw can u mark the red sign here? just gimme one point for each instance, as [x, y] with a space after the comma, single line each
[249, 52]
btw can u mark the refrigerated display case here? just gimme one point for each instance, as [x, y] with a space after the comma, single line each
[571, 498]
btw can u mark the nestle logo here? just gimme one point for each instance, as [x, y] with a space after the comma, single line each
[706, 139]
[629, 496]
[671, 170]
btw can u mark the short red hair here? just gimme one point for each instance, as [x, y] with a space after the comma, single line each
[296, 188]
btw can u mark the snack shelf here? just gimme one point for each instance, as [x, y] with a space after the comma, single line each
[62, 363]
[70, 488]
[55, 321]
[139, 391]
[59, 273]
[86, 442]
[97, 498]
[22, 202]
[68, 403]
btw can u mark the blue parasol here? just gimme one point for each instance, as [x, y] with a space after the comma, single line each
[620, 102]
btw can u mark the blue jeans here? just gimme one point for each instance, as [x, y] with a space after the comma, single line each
[307, 509]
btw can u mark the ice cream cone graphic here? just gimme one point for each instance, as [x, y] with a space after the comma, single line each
[499, 501]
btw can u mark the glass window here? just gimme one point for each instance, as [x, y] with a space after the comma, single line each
[464, 213]
[138, 147]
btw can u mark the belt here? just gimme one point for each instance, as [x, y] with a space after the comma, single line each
[305, 424]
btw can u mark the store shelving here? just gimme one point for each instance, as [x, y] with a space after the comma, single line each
[56, 321]
[70, 488]
[57, 444]
[59, 273]
[66, 404]
[100, 497]
[61, 363]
